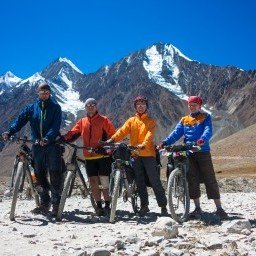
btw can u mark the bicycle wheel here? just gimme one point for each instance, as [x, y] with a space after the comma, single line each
[17, 184]
[135, 198]
[64, 194]
[177, 195]
[115, 195]
[31, 185]
[87, 188]
[14, 171]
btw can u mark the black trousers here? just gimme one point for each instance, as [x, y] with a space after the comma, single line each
[201, 170]
[48, 159]
[148, 164]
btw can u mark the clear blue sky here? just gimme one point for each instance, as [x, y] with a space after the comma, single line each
[97, 33]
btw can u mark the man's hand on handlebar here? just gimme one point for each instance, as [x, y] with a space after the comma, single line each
[6, 135]
[140, 146]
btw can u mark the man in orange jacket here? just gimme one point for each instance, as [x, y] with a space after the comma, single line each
[94, 128]
[141, 129]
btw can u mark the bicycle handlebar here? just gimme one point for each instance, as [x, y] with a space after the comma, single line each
[89, 149]
[183, 147]
[14, 138]
[113, 146]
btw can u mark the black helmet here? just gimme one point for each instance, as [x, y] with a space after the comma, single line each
[140, 98]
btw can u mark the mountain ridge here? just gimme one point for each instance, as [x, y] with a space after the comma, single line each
[160, 72]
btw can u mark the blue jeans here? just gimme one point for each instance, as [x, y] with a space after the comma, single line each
[47, 159]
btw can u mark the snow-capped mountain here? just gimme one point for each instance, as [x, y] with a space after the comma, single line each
[8, 81]
[160, 72]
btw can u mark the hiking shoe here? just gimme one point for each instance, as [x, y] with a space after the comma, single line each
[8, 193]
[55, 208]
[164, 211]
[99, 211]
[143, 211]
[107, 210]
[41, 209]
[221, 213]
[196, 213]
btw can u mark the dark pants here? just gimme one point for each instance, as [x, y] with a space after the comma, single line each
[201, 169]
[48, 159]
[148, 164]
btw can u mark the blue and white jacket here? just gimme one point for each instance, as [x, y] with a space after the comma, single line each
[44, 117]
[193, 127]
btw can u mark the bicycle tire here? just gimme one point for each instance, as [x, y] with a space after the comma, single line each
[71, 186]
[177, 189]
[135, 198]
[64, 194]
[115, 195]
[16, 189]
[87, 188]
[14, 171]
[31, 185]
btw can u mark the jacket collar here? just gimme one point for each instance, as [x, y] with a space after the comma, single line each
[94, 116]
[46, 102]
[142, 116]
[195, 114]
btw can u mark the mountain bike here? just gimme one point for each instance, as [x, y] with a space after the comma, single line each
[22, 169]
[177, 186]
[121, 177]
[72, 170]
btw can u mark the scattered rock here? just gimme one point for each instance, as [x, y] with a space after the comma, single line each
[236, 226]
[29, 235]
[246, 232]
[73, 236]
[166, 227]
[101, 252]
[133, 239]
[172, 252]
[119, 245]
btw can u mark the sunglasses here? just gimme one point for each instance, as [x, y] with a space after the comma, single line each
[90, 105]
[141, 104]
[43, 92]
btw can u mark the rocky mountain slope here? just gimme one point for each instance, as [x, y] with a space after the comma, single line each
[235, 155]
[160, 72]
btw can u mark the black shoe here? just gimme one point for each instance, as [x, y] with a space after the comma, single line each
[196, 214]
[164, 211]
[55, 208]
[221, 213]
[99, 211]
[143, 211]
[42, 209]
[107, 210]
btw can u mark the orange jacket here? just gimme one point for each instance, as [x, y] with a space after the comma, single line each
[142, 130]
[92, 129]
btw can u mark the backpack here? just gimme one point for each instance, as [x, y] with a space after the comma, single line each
[122, 152]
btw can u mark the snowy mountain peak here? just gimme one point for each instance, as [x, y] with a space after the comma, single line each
[171, 49]
[33, 80]
[162, 69]
[70, 63]
[9, 79]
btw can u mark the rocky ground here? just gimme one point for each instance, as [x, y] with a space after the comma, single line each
[83, 233]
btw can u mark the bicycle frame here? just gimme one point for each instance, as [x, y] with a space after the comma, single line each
[119, 180]
[72, 169]
[22, 164]
[122, 166]
[177, 187]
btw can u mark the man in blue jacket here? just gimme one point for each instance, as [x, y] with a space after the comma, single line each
[197, 127]
[44, 116]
